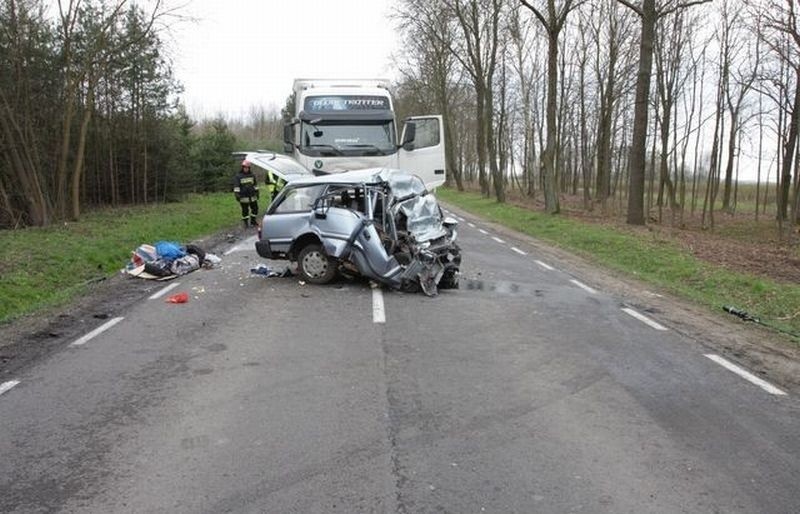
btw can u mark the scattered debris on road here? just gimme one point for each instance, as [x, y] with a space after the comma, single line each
[167, 260]
[266, 271]
[178, 298]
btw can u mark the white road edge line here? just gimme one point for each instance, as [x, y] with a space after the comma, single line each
[471, 224]
[6, 386]
[482, 231]
[99, 330]
[644, 319]
[763, 384]
[545, 265]
[499, 240]
[514, 248]
[163, 291]
[378, 310]
[583, 286]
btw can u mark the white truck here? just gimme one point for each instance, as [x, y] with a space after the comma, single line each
[342, 125]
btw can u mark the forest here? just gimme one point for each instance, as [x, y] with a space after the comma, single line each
[656, 111]
[90, 113]
[670, 112]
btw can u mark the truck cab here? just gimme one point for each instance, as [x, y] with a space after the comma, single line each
[344, 125]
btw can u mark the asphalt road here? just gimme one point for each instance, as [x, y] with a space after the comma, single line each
[527, 390]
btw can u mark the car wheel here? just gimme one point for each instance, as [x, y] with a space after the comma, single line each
[314, 265]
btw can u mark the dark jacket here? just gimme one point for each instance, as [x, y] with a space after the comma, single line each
[245, 187]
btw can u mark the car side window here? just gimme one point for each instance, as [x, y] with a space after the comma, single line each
[300, 199]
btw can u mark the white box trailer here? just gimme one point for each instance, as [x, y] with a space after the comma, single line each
[349, 124]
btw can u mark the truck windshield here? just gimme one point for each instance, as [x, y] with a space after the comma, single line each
[351, 138]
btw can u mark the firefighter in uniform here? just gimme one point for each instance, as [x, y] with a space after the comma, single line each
[274, 184]
[245, 189]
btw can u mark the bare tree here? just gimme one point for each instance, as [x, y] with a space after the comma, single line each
[782, 36]
[649, 13]
[553, 22]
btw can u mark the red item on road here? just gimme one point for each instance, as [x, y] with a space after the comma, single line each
[178, 298]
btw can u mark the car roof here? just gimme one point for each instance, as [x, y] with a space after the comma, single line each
[368, 175]
[284, 166]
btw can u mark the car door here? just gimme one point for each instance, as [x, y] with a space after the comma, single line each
[288, 217]
[424, 155]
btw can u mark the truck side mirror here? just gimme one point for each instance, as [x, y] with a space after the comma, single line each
[288, 136]
[409, 135]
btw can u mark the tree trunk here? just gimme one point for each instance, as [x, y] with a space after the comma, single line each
[788, 152]
[77, 171]
[639, 138]
[550, 178]
[726, 192]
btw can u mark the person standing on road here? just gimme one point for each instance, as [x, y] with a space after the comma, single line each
[245, 189]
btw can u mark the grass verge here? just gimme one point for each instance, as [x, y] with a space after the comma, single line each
[647, 258]
[41, 267]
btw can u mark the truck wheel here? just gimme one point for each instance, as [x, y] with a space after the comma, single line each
[315, 266]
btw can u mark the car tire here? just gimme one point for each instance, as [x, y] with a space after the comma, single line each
[315, 266]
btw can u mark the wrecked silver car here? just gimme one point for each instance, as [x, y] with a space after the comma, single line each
[378, 223]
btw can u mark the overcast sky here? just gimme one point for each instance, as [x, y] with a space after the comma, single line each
[243, 53]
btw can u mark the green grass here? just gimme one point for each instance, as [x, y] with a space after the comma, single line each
[656, 261]
[40, 267]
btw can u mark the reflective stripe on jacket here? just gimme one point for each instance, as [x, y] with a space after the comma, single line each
[245, 187]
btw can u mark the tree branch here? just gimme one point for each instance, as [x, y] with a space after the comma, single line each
[632, 7]
[536, 12]
[679, 6]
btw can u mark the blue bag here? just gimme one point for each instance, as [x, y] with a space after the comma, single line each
[169, 250]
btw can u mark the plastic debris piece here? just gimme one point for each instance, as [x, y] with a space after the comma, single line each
[212, 258]
[178, 298]
[261, 269]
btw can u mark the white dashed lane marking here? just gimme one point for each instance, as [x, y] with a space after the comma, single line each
[96, 332]
[164, 291]
[644, 319]
[471, 224]
[514, 248]
[583, 286]
[545, 265]
[6, 386]
[498, 240]
[482, 231]
[763, 384]
[378, 310]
